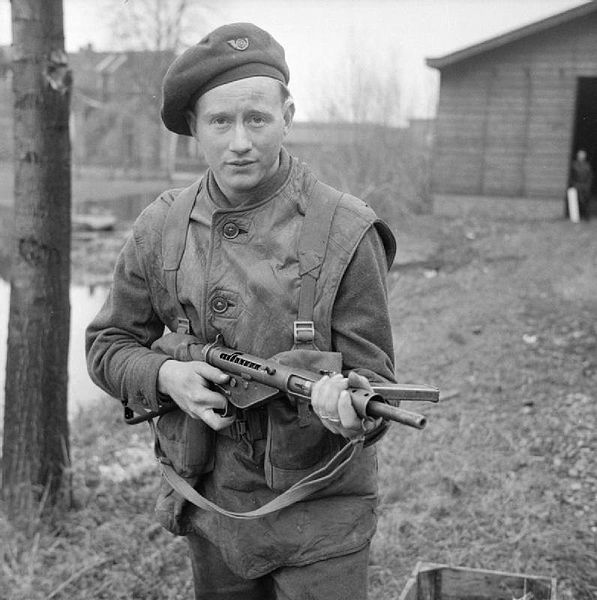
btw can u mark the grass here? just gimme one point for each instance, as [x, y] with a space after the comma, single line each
[501, 317]
[506, 324]
[107, 546]
[469, 493]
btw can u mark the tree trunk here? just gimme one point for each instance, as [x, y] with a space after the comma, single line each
[36, 442]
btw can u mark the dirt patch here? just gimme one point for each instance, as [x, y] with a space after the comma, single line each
[504, 322]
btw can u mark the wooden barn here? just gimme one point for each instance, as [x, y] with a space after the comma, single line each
[514, 109]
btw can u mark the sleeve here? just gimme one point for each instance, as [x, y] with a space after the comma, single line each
[361, 328]
[117, 341]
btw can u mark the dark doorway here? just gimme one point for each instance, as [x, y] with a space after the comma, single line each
[585, 123]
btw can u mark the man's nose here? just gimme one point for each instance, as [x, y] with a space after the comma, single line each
[241, 141]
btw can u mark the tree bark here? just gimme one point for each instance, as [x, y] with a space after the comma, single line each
[36, 438]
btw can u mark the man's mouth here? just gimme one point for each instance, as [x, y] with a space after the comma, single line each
[240, 163]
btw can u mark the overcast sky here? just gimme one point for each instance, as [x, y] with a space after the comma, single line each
[322, 36]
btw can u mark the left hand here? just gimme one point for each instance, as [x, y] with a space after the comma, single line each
[332, 404]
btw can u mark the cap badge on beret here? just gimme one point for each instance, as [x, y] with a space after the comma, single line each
[239, 43]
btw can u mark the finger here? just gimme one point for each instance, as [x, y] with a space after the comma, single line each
[317, 394]
[210, 373]
[358, 381]
[339, 381]
[346, 413]
[215, 421]
[201, 398]
[331, 392]
[206, 398]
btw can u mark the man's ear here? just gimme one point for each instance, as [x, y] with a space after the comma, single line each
[288, 111]
[191, 118]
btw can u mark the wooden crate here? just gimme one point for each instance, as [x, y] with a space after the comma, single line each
[442, 582]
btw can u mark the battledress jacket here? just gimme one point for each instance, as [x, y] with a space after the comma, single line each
[239, 278]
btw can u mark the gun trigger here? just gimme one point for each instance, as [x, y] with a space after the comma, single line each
[217, 387]
[228, 411]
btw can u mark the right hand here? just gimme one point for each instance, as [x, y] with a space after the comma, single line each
[188, 384]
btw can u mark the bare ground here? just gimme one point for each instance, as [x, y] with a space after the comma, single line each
[502, 318]
[499, 312]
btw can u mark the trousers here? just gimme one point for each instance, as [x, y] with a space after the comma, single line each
[333, 579]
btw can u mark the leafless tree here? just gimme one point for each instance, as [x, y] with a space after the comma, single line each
[363, 89]
[36, 436]
[381, 162]
[154, 25]
[159, 30]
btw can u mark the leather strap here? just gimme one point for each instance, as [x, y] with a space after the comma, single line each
[313, 243]
[307, 486]
[174, 239]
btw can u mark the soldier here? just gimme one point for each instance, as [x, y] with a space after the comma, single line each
[257, 218]
[581, 178]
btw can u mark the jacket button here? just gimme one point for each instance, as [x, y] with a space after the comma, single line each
[219, 304]
[230, 230]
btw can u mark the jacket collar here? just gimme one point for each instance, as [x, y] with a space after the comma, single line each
[288, 194]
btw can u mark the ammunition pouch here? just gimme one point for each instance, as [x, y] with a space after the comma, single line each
[187, 444]
[297, 442]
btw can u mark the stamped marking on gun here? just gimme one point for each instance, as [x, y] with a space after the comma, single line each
[236, 358]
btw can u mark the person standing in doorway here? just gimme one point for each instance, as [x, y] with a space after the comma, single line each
[581, 178]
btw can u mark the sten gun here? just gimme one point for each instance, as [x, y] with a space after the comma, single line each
[254, 381]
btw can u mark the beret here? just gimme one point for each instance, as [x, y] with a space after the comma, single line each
[228, 53]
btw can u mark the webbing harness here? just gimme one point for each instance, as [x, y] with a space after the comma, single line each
[313, 243]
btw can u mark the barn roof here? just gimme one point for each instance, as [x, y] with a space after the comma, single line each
[513, 36]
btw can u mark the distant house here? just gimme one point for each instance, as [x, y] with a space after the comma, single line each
[514, 109]
[115, 108]
[309, 137]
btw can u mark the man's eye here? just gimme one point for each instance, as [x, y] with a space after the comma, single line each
[219, 121]
[257, 121]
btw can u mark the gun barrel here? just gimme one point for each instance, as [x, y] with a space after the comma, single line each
[376, 408]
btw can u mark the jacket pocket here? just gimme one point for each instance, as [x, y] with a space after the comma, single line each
[297, 442]
[187, 443]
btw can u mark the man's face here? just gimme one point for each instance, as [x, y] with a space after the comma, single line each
[240, 127]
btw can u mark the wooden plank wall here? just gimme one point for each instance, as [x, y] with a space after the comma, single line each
[505, 118]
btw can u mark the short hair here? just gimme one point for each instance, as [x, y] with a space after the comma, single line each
[284, 92]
